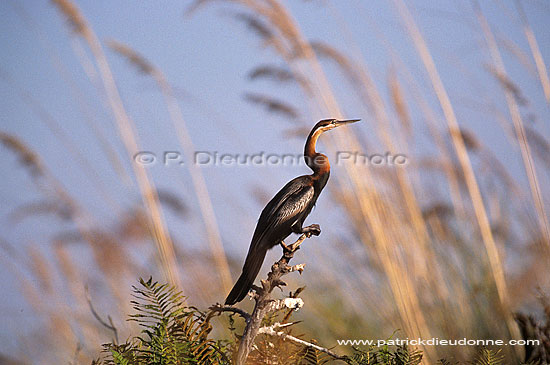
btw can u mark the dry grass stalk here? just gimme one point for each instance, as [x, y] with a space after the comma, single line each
[257, 26]
[272, 105]
[419, 263]
[453, 176]
[353, 73]
[134, 58]
[540, 144]
[76, 92]
[199, 184]
[57, 130]
[399, 102]
[63, 71]
[411, 309]
[509, 85]
[512, 101]
[279, 74]
[73, 16]
[512, 47]
[41, 269]
[273, 72]
[51, 186]
[460, 147]
[431, 121]
[173, 201]
[470, 140]
[27, 157]
[129, 138]
[535, 50]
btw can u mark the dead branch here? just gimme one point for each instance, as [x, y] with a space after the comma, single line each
[218, 309]
[264, 304]
[272, 331]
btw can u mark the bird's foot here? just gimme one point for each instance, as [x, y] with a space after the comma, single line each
[310, 230]
[283, 245]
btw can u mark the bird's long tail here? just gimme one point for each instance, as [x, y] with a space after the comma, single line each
[251, 267]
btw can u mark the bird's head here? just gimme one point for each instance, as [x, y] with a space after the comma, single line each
[322, 126]
[328, 124]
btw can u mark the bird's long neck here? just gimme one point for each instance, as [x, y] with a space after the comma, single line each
[316, 161]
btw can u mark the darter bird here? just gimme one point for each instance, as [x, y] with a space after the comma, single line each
[286, 212]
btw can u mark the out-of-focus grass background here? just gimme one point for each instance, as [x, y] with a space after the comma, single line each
[447, 246]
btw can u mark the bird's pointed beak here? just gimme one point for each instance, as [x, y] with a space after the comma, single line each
[338, 123]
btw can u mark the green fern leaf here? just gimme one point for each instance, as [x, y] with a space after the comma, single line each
[489, 357]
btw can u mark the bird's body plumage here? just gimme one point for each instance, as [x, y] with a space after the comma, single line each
[285, 214]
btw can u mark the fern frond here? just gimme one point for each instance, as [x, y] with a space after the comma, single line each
[172, 333]
[489, 357]
[314, 357]
[404, 356]
[384, 355]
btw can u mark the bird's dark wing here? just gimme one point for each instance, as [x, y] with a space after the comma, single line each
[273, 226]
[294, 204]
[285, 207]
